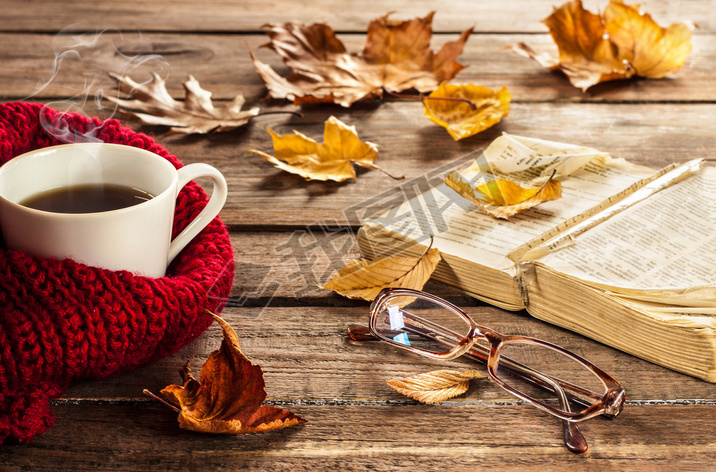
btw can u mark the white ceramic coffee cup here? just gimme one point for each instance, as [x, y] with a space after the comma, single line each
[135, 238]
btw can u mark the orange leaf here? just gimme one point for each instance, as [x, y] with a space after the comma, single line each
[653, 51]
[619, 44]
[480, 109]
[436, 386]
[396, 57]
[228, 398]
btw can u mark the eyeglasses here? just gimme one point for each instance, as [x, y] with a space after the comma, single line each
[543, 374]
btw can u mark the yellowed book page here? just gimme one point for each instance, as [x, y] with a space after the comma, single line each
[459, 228]
[564, 234]
[662, 249]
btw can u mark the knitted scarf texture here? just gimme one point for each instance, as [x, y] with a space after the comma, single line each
[61, 320]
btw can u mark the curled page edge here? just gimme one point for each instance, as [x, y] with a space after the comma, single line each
[557, 159]
[698, 300]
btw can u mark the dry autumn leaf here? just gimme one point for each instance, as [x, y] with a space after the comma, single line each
[153, 105]
[460, 118]
[396, 57]
[227, 399]
[620, 43]
[435, 386]
[652, 51]
[363, 279]
[502, 198]
[332, 160]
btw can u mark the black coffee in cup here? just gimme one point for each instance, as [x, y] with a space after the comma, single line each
[87, 198]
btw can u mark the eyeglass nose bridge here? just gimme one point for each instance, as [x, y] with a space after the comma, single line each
[493, 338]
[471, 341]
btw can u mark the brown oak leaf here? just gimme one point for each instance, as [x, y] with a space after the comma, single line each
[153, 105]
[228, 398]
[618, 44]
[396, 57]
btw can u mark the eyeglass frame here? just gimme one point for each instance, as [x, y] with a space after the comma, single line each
[610, 404]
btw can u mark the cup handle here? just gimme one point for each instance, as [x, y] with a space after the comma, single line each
[213, 206]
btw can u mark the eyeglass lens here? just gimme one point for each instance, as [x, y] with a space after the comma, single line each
[549, 370]
[421, 323]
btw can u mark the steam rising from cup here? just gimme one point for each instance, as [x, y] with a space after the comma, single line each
[91, 56]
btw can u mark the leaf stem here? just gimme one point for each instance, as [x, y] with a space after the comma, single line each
[422, 97]
[370, 165]
[151, 395]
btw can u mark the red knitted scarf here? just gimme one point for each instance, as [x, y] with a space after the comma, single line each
[61, 320]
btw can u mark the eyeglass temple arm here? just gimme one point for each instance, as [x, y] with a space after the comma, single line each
[536, 378]
[574, 440]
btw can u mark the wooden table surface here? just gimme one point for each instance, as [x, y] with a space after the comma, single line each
[288, 234]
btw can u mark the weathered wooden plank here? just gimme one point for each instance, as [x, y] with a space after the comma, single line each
[653, 135]
[289, 265]
[288, 234]
[284, 268]
[306, 356]
[222, 64]
[260, 195]
[249, 15]
[381, 438]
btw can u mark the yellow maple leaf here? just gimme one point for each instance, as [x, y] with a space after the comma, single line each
[332, 160]
[363, 279]
[503, 198]
[620, 43]
[466, 109]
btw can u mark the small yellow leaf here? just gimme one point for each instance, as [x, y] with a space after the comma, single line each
[502, 198]
[435, 386]
[461, 119]
[332, 160]
[364, 280]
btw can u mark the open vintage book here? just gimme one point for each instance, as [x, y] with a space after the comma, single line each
[627, 256]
